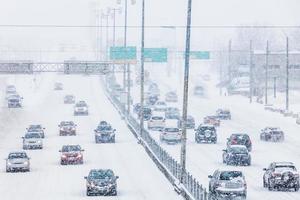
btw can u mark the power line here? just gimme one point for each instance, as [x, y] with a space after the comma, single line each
[149, 26]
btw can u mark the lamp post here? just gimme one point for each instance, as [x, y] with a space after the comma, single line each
[142, 70]
[126, 68]
[185, 91]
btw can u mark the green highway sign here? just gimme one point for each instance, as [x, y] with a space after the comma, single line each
[200, 55]
[122, 53]
[159, 55]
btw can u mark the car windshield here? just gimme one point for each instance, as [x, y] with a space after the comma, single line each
[81, 104]
[204, 128]
[69, 96]
[171, 129]
[17, 155]
[101, 174]
[157, 118]
[35, 127]
[242, 150]
[69, 148]
[240, 138]
[67, 123]
[147, 111]
[161, 103]
[229, 175]
[104, 128]
[281, 168]
[32, 135]
[276, 132]
[225, 112]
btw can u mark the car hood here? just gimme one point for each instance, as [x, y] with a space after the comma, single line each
[18, 160]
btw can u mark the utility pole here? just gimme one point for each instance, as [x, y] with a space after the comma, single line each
[142, 70]
[185, 90]
[266, 73]
[274, 87]
[287, 75]
[229, 61]
[221, 72]
[251, 73]
[114, 32]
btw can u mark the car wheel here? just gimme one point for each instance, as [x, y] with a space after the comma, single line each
[296, 188]
[88, 193]
[264, 183]
[8, 170]
[270, 188]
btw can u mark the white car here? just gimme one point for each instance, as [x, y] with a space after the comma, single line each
[171, 97]
[160, 106]
[32, 140]
[156, 122]
[11, 89]
[171, 133]
[81, 108]
[17, 161]
[58, 86]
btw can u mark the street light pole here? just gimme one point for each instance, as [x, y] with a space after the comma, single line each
[185, 91]
[142, 70]
[266, 73]
[251, 73]
[287, 75]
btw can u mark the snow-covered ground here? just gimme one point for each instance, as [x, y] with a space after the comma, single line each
[139, 177]
[203, 159]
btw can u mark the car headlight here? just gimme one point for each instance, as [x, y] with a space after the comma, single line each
[39, 141]
[25, 163]
[9, 163]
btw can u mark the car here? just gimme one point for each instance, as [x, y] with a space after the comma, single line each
[136, 108]
[147, 113]
[151, 99]
[153, 89]
[171, 134]
[69, 99]
[272, 134]
[190, 122]
[71, 154]
[160, 106]
[156, 122]
[281, 175]
[236, 155]
[58, 86]
[199, 91]
[32, 140]
[81, 108]
[240, 139]
[171, 97]
[36, 128]
[14, 101]
[11, 89]
[67, 128]
[172, 113]
[206, 133]
[298, 120]
[212, 119]
[104, 133]
[17, 161]
[223, 114]
[101, 182]
[227, 184]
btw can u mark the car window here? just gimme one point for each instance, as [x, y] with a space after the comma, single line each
[229, 175]
[17, 155]
[171, 129]
[282, 168]
[71, 148]
[32, 135]
[101, 174]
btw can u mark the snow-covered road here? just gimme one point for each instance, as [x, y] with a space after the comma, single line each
[203, 159]
[48, 180]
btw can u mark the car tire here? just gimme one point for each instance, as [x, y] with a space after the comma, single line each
[270, 188]
[264, 183]
[296, 187]
[88, 193]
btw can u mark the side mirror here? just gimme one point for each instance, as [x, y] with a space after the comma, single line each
[224, 150]
[58, 125]
[82, 149]
[114, 130]
[265, 169]
[59, 151]
[44, 128]
[23, 137]
[117, 177]
[95, 130]
[210, 176]
[85, 177]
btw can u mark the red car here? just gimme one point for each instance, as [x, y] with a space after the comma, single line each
[212, 120]
[71, 154]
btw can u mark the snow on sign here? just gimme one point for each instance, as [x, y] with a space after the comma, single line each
[200, 55]
[158, 55]
[123, 54]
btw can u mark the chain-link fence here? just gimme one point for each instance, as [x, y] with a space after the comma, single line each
[190, 187]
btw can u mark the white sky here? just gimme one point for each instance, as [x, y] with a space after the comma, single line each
[158, 12]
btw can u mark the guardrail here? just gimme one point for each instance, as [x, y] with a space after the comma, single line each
[190, 188]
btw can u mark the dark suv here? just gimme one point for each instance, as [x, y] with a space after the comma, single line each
[101, 182]
[236, 155]
[206, 133]
[104, 133]
[281, 175]
[240, 139]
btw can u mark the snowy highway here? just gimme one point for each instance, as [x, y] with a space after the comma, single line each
[139, 177]
[204, 159]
